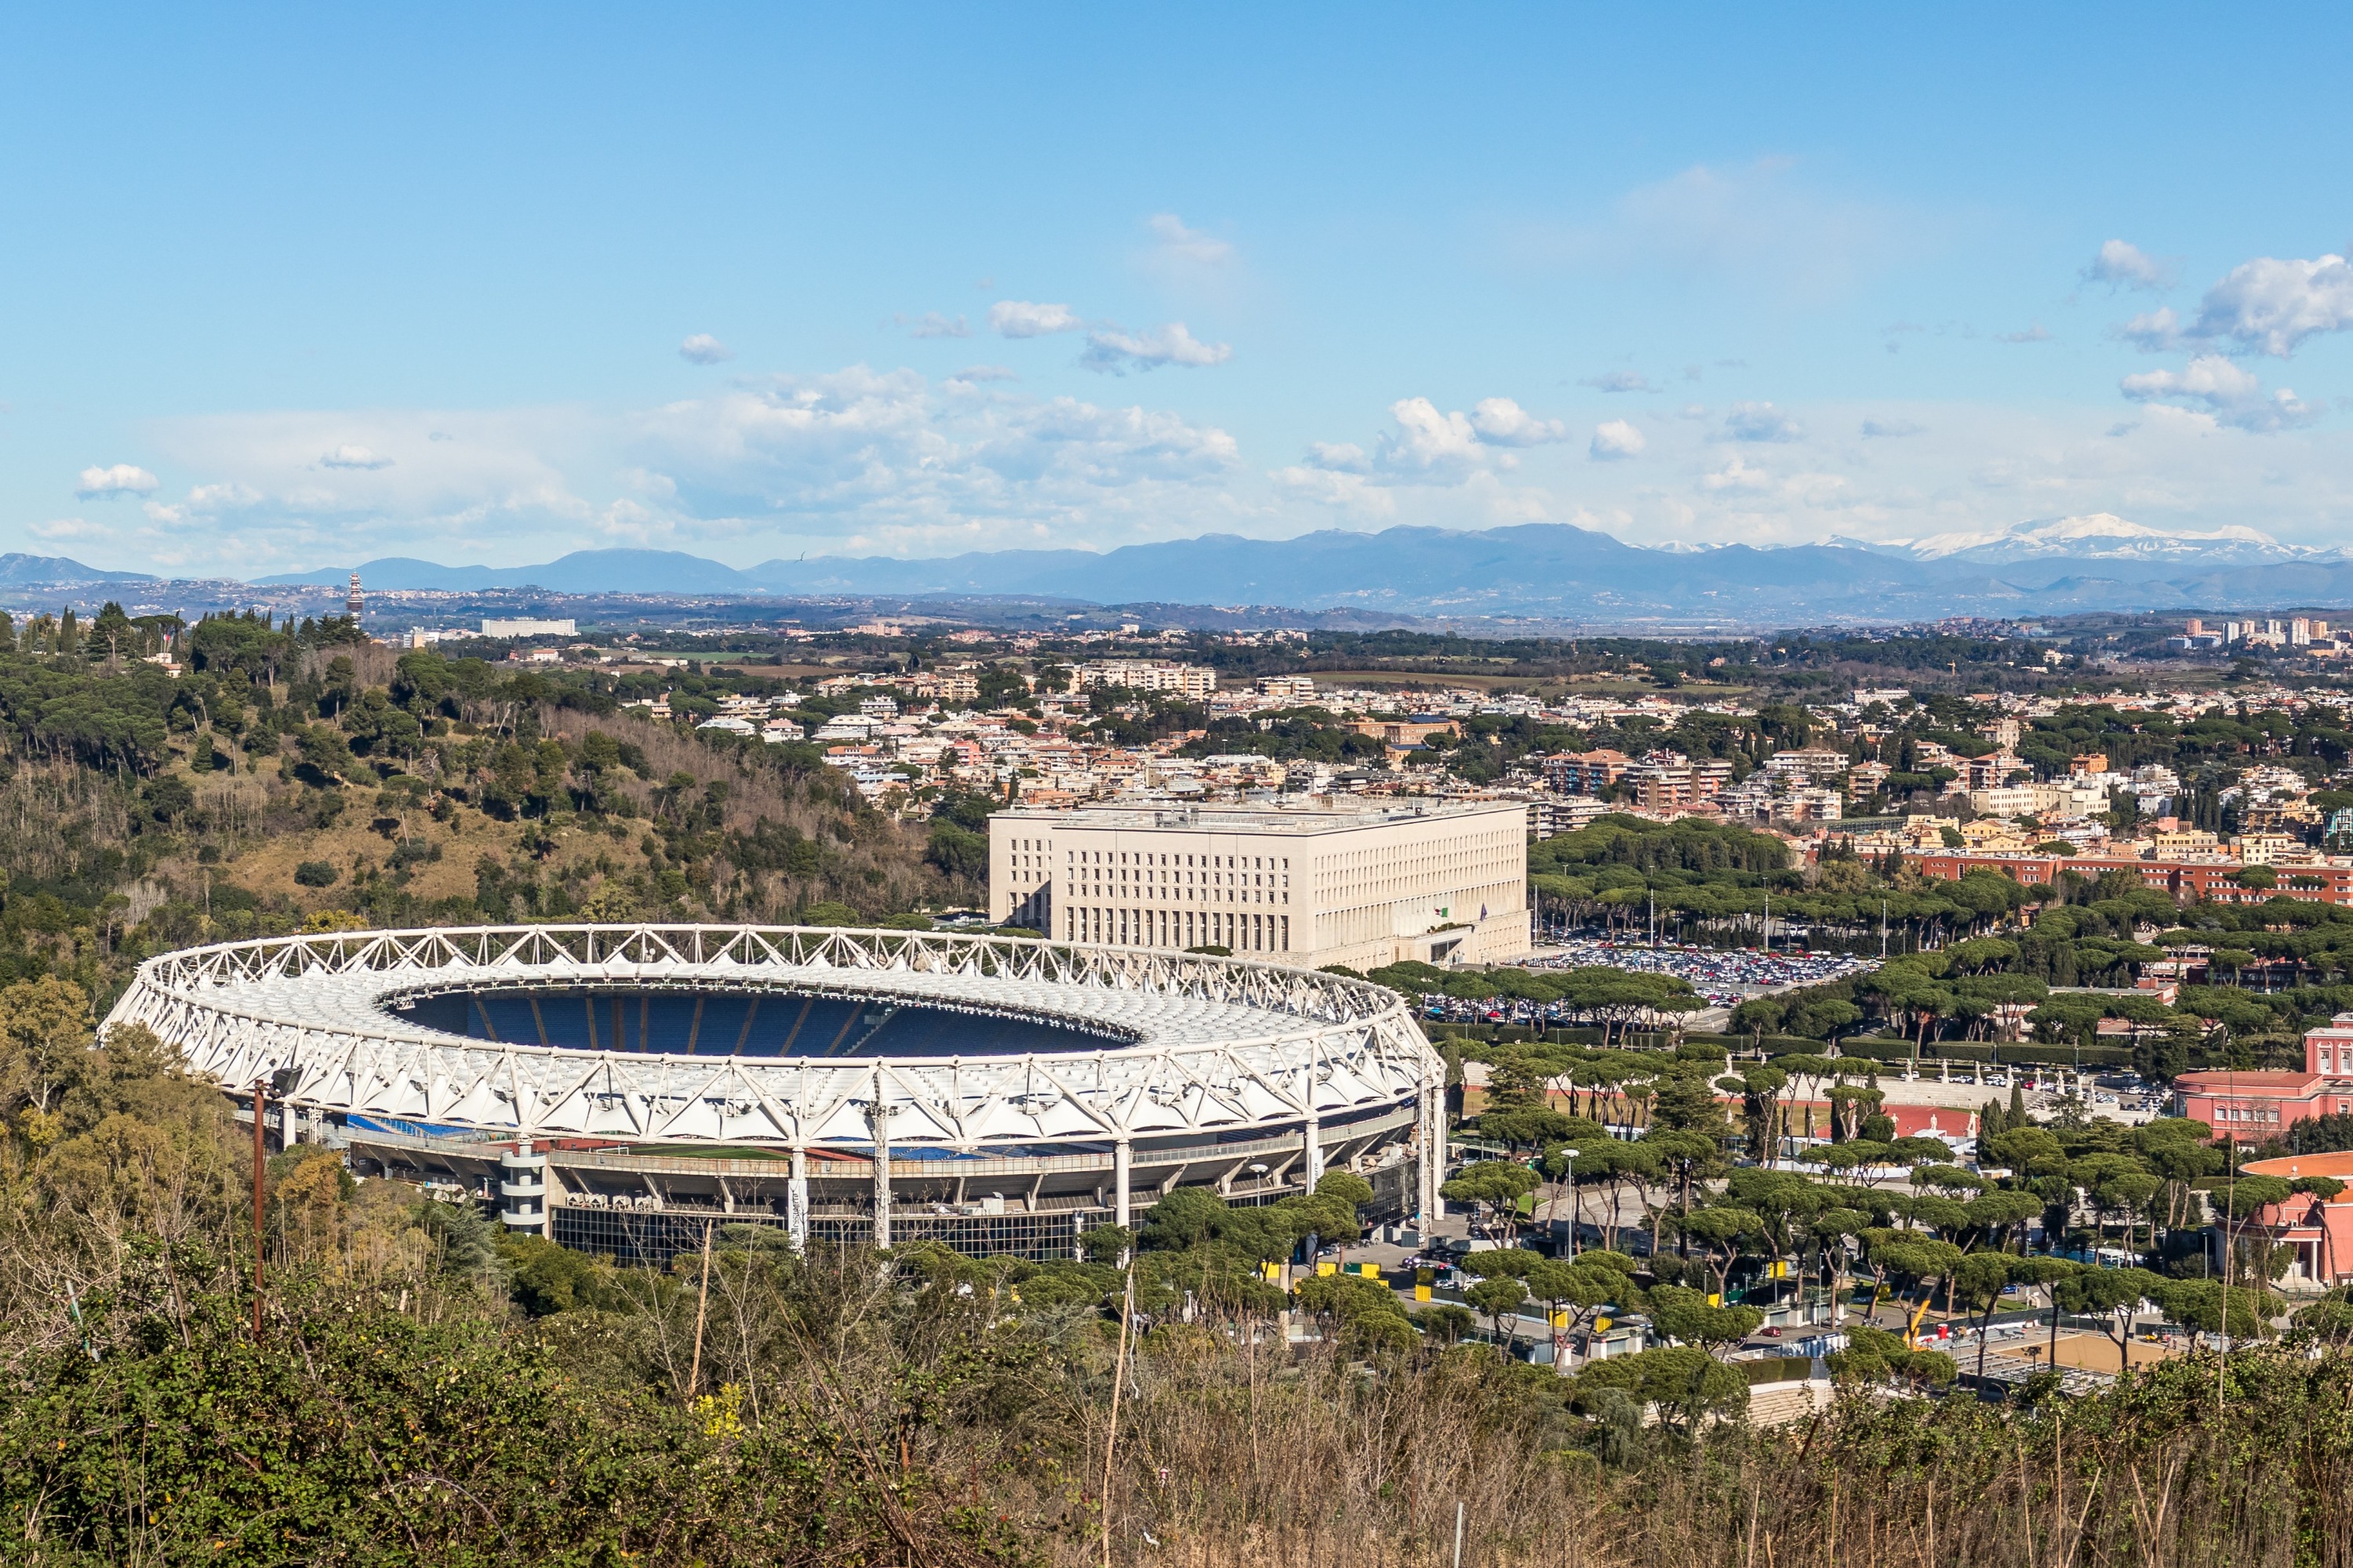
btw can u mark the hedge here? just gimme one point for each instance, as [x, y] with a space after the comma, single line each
[2064, 1055]
[1875, 1048]
[1959, 1051]
[1778, 1368]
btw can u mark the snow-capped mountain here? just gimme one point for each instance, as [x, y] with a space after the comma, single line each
[2104, 535]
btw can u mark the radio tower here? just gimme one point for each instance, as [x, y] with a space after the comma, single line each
[353, 605]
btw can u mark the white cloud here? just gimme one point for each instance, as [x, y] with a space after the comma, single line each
[2228, 391]
[1114, 351]
[705, 349]
[1628, 381]
[348, 456]
[932, 323]
[1882, 429]
[2034, 333]
[1433, 446]
[857, 459]
[64, 530]
[1615, 439]
[1350, 492]
[224, 497]
[1760, 422]
[1504, 423]
[1427, 442]
[2270, 306]
[1339, 457]
[119, 478]
[1737, 474]
[979, 373]
[1179, 243]
[1021, 318]
[2155, 330]
[2123, 265]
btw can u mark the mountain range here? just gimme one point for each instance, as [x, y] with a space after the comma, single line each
[1548, 570]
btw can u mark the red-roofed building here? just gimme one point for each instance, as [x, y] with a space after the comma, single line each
[2181, 880]
[2256, 1105]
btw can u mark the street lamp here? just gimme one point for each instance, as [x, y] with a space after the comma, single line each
[1568, 1157]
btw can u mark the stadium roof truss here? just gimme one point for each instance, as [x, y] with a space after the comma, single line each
[1193, 1044]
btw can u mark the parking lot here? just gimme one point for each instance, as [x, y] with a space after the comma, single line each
[1724, 976]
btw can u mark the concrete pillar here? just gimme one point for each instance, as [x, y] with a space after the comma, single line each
[1123, 1157]
[1433, 1151]
[797, 1202]
[1315, 1152]
[882, 1165]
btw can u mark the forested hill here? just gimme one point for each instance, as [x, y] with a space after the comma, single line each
[301, 777]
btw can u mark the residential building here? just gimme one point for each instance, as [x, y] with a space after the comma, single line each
[1815, 762]
[1405, 732]
[1552, 814]
[1585, 772]
[1358, 885]
[530, 628]
[1196, 680]
[2005, 801]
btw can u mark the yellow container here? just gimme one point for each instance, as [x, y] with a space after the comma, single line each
[1421, 1293]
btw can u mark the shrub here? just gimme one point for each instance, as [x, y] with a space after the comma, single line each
[315, 873]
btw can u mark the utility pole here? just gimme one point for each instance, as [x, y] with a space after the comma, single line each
[1883, 931]
[260, 1098]
[1576, 1209]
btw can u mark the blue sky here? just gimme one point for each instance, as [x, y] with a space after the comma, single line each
[285, 289]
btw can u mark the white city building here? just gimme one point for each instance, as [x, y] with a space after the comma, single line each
[1148, 675]
[526, 627]
[1358, 885]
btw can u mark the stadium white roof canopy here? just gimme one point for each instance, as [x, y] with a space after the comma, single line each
[1197, 1044]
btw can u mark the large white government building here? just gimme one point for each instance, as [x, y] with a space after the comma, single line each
[1359, 885]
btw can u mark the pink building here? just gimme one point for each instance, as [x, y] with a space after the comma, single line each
[2321, 1232]
[2259, 1106]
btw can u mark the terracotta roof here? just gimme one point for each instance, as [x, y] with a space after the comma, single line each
[2219, 1083]
[2339, 1165]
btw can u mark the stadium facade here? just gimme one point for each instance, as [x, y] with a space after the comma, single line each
[622, 1089]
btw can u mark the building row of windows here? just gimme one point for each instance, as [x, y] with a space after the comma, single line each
[1120, 926]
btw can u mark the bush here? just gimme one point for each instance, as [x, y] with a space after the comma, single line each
[315, 873]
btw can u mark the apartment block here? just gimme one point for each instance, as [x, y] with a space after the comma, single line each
[1585, 772]
[1148, 675]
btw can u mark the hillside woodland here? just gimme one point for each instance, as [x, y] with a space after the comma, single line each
[302, 778]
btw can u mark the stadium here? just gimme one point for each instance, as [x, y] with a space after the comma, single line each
[621, 1088]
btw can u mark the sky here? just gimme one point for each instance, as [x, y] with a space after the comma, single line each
[291, 288]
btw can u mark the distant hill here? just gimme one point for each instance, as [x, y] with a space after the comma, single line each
[1547, 570]
[41, 571]
[583, 571]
